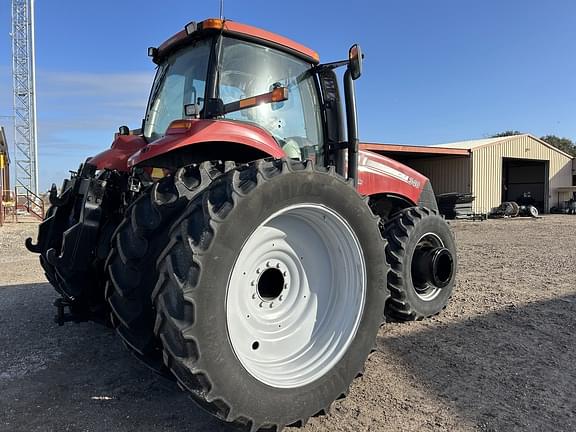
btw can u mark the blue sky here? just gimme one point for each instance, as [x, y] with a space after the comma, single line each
[435, 71]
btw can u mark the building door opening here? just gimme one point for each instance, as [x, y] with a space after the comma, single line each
[526, 182]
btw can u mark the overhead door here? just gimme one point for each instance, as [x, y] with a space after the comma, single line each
[526, 182]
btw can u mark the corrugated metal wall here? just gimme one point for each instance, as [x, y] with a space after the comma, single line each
[447, 173]
[487, 169]
[4, 163]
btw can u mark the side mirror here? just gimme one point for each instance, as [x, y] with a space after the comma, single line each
[192, 110]
[355, 57]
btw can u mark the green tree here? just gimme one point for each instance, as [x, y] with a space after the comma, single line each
[564, 144]
[507, 133]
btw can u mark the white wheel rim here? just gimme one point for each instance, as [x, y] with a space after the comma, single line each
[295, 296]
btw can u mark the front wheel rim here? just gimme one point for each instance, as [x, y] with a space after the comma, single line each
[432, 266]
[296, 295]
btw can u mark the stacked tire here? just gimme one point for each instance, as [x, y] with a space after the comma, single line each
[136, 246]
[271, 281]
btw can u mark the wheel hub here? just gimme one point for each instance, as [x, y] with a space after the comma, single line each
[269, 285]
[442, 266]
[432, 266]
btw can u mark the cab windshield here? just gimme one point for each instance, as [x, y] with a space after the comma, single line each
[180, 81]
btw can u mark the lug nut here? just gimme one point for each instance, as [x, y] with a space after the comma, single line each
[267, 263]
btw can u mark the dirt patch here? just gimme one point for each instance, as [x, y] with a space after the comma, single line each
[17, 265]
[500, 357]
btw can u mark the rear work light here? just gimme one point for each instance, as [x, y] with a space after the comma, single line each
[191, 28]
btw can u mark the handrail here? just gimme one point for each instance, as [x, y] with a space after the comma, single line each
[7, 205]
[28, 201]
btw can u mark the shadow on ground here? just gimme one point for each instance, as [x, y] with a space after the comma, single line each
[79, 377]
[513, 369]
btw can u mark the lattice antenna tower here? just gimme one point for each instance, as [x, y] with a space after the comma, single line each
[24, 84]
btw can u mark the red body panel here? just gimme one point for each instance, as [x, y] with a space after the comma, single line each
[378, 174]
[175, 38]
[201, 131]
[116, 157]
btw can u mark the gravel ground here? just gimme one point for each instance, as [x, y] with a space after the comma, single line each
[501, 357]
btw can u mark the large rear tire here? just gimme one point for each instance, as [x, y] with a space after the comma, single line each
[136, 245]
[422, 255]
[271, 293]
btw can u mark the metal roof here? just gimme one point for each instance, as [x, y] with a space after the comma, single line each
[413, 149]
[475, 144]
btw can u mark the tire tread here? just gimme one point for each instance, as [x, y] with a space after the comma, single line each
[190, 242]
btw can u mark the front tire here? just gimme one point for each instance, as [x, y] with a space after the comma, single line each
[422, 255]
[271, 293]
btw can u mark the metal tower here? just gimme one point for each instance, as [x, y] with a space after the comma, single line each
[23, 74]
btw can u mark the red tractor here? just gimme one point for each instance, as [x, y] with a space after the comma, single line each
[238, 242]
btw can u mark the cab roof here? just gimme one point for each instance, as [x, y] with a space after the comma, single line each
[242, 31]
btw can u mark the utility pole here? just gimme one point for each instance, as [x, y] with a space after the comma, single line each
[24, 84]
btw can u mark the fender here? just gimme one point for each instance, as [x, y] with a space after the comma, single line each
[379, 175]
[116, 157]
[184, 133]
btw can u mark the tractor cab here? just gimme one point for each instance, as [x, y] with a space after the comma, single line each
[224, 70]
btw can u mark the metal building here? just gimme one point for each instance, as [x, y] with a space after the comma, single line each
[493, 170]
[4, 164]
[5, 191]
